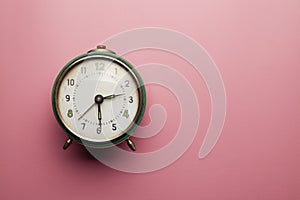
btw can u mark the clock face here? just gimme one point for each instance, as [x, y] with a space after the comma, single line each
[98, 98]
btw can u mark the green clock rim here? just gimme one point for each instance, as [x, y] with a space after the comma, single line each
[122, 137]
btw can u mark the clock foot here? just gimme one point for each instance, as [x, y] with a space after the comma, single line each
[131, 144]
[68, 143]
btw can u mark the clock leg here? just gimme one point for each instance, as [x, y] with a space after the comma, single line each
[68, 143]
[131, 144]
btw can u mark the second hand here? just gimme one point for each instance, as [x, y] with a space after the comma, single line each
[85, 111]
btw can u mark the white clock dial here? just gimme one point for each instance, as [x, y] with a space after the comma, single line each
[101, 77]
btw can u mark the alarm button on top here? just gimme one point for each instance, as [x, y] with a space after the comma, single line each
[101, 48]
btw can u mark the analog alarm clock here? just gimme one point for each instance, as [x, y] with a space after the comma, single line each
[98, 99]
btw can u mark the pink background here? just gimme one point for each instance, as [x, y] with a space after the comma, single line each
[256, 46]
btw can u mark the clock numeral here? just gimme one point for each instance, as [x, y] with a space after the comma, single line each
[68, 98]
[127, 83]
[83, 126]
[70, 113]
[125, 114]
[99, 130]
[130, 99]
[114, 127]
[83, 70]
[71, 82]
[99, 66]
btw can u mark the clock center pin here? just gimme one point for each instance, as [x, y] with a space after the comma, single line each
[99, 99]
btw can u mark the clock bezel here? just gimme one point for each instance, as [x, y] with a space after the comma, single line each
[141, 94]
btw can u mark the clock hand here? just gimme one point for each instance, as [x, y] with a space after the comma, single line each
[99, 114]
[112, 96]
[85, 111]
[98, 100]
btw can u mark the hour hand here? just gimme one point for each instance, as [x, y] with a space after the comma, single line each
[112, 96]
